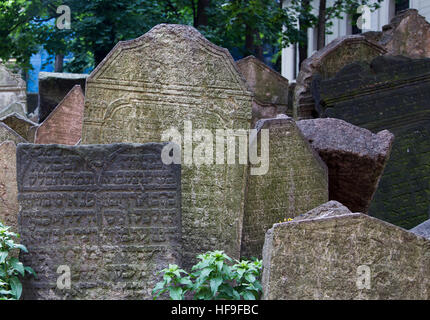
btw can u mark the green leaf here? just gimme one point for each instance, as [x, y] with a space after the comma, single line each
[215, 283]
[3, 256]
[248, 295]
[16, 287]
[176, 293]
[250, 277]
[16, 265]
[30, 271]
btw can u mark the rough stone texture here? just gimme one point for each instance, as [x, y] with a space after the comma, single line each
[327, 62]
[326, 210]
[12, 88]
[320, 258]
[389, 93]
[7, 134]
[295, 183]
[355, 158]
[14, 107]
[53, 87]
[408, 34]
[8, 187]
[269, 87]
[109, 212]
[422, 229]
[20, 124]
[167, 76]
[64, 124]
[32, 101]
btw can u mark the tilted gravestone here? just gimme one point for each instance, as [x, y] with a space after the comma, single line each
[7, 134]
[327, 62]
[422, 229]
[53, 87]
[13, 108]
[296, 181]
[389, 93]
[408, 34]
[355, 158]
[332, 253]
[8, 187]
[109, 214]
[64, 123]
[269, 87]
[12, 88]
[20, 124]
[158, 81]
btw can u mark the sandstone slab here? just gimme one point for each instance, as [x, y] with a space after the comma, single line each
[8, 186]
[108, 213]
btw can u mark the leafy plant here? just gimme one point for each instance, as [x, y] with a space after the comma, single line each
[10, 267]
[213, 277]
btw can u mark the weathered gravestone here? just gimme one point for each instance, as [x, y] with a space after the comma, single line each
[14, 107]
[19, 123]
[296, 181]
[169, 76]
[327, 62]
[422, 229]
[331, 253]
[355, 158]
[389, 93]
[64, 123]
[53, 87]
[408, 34]
[7, 134]
[32, 102]
[110, 213]
[8, 188]
[269, 87]
[12, 88]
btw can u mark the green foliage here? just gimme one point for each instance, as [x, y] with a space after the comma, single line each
[213, 277]
[10, 267]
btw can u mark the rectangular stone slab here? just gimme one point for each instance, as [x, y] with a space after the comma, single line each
[111, 213]
[8, 186]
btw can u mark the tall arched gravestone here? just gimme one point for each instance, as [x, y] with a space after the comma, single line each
[296, 181]
[12, 88]
[167, 76]
[389, 93]
[327, 62]
[105, 217]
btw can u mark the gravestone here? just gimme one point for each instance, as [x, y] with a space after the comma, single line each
[389, 93]
[32, 102]
[408, 34]
[344, 256]
[295, 182]
[355, 158]
[20, 124]
[64, 123]
[327, 62]
[14, 107]
[53, 87]
[422, 229]
[8, 187]
[108, 213]
[12, 88]
[167, 77]
[7, 134]
[269, 87]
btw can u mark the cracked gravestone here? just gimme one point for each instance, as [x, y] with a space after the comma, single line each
[109, 213]
[164, 79]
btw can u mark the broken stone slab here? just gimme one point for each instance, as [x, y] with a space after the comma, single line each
[327, 62]
[53, 87]
[64, 123]
[328, 209]
[20, 124]
[422, 229]
[109, 213]
[269, 87]
[8, 185]
[295, 182]
[7, 133]
[347, 256]
[355, 158]
[408, 34]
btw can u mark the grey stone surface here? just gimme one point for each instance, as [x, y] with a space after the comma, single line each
[7, 134]
[12, 88]
[20, 124]
[53, 87]
[345, 256]
[32, 101]
[111, 213]
[15, 107]
[355, 158]
[328, 209]
[422, 229]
